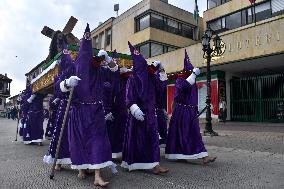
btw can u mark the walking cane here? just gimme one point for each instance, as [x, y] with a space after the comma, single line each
[61, 133]
[17, 129]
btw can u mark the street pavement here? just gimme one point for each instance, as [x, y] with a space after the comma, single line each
[249, 156]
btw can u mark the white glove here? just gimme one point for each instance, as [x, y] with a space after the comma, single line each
[163, 76]
[104, 53]
[72, 81]
[109, 117]
[196, 71]
[55, 100]
[191, 79]
[136, 112]
[156, 63]
[124, 70]
[32, 97]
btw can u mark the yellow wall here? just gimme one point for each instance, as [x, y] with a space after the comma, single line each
[247, 42]
[226, 8]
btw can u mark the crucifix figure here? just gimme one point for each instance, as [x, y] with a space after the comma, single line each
[59, 38]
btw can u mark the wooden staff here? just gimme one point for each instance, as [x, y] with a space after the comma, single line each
[61, 133]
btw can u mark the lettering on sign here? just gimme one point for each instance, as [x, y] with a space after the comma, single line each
[259, 40]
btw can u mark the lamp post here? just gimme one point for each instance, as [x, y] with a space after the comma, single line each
[208, 53]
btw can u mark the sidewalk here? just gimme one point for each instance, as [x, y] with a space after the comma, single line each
[246, 159]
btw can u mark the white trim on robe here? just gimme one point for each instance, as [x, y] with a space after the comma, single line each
[183, 156]
[37, 140]
[49, 160]
[135, 166]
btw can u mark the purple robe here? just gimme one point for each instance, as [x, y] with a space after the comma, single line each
[160, 107]
[115, 103]
[52, 117]
[141, 139]
[23, 112]
[184, 140]
[88, 139]
[33, 132]
[67, 68]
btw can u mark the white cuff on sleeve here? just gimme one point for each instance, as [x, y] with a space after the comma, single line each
[62, 88]
[163, 76]
[133, 108]
[191, 79]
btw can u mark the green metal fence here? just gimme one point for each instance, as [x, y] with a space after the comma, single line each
[257, 99]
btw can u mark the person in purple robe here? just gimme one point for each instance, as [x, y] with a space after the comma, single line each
[184, 140]
[23, 112]
[53, 105]
[66, 68]
[33, 132]
[141, 139]
[115, 106]
[88, 139]
[162, 115]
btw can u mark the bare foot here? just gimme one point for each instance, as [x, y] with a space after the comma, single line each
[82, 174]
[158, 169]
[99, 182]
[209, 159]
[58, 167]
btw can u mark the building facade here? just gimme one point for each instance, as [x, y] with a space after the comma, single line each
[155, 27]
[4, 90]
[249, 75]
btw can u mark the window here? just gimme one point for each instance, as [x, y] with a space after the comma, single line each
[263, 11]
[1, 86]
[151, 49]
[173, 26]
[143, 23]
[108, 37]
[247, 17]
[157, 21]
[156, 49]
[233, 21]
[187, 31]
[216, 25]
[171, 49]
[215, 3]
[97, 44]
[145, 50]
[100, 41]
[277, 7]
[165, 23]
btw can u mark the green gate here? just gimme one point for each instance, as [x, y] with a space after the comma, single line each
[257, 99]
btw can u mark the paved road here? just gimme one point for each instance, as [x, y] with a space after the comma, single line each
[247, 158]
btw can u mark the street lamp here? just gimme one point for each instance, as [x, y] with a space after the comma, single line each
[208, 53]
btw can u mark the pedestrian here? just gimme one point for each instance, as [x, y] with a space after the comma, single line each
[141, 139]
[114, 105]
[222, 110]
[33, 132]
[59, 104]
[184, 140]
[88, 140]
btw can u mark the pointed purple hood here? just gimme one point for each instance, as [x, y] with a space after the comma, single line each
[186, 63]
[140, 72]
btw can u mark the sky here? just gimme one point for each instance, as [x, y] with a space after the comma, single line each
[22, 46]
